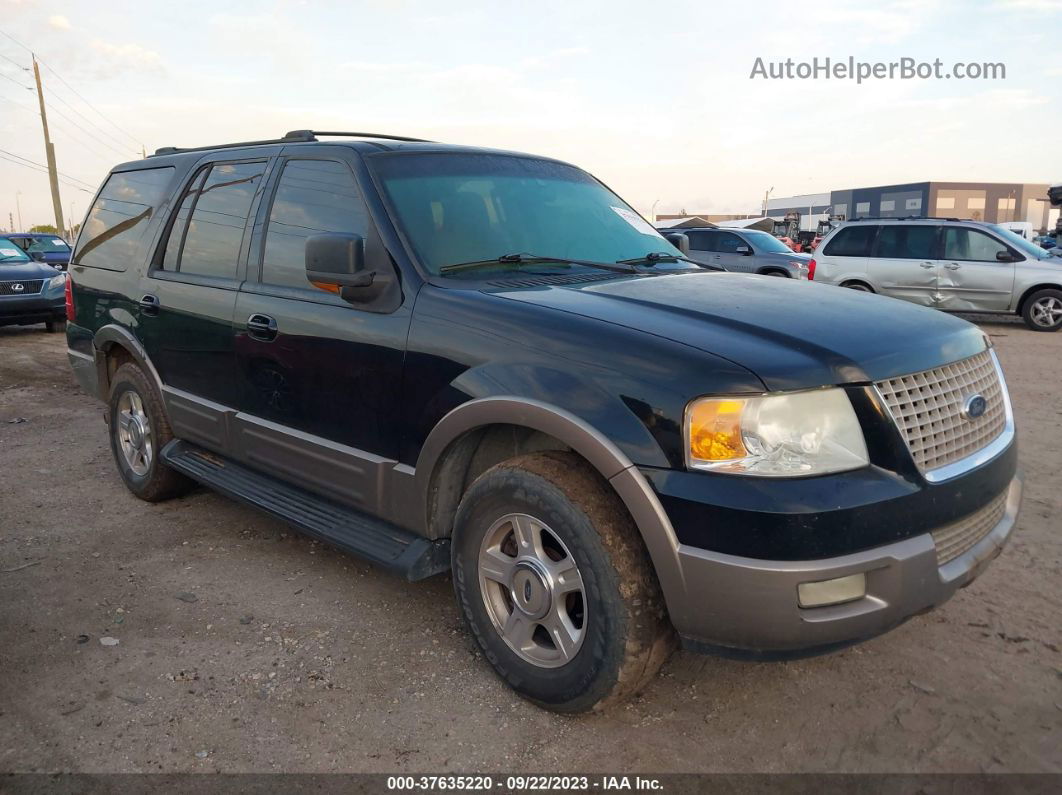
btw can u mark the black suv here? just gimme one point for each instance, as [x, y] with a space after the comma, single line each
[446, 358]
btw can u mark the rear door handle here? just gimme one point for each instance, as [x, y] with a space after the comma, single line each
[953, 266]
[262, 327]
[927, 265]
[149, 305]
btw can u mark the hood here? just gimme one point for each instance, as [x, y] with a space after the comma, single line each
[18, 271]
[787, 256]
[792, 334]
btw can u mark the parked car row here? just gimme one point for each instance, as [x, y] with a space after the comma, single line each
[452, 359]
[31, 291]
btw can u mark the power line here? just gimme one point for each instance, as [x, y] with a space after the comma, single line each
[45, 171]
[41, 165]
[13, 80]
[86, 132]
[74, 91]
[16, 63]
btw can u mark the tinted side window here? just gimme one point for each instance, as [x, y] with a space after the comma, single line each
[852, 241]
[180, 222]
[313, 197]
[969, 244]
[701, 241]
[115, 223]
[215, 230]
[729, 242]
[906, 242]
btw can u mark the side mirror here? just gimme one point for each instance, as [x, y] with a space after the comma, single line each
[745, 250]
[679, 241]
[1004, 256]
[336, 262]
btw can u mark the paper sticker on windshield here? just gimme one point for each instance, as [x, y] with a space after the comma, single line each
[9, 252]
[57, 242]
[635, 220]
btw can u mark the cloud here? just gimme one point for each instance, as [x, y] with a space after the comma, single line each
[59, 22]
[1036, 6]
[114, 59]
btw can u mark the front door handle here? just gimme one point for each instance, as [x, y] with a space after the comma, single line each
[953, 266]
[149, 305]
[262, 327]
[927, 265]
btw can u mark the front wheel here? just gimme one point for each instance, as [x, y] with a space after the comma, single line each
[555, 584]
[1043, 310]
[858, 286]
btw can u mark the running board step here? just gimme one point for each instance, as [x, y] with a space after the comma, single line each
[383, 544]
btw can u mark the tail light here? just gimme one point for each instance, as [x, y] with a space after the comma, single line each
[70, 316]
[811, 274]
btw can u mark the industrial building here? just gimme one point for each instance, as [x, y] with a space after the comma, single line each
[994, 202]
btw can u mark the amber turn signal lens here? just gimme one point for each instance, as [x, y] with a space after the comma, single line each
[715, 430]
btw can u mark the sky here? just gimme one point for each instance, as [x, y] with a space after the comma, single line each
[655, 99]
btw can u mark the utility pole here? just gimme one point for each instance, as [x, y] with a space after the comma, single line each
[143, 152]
[18, 206]
[49, 149]
[11, 221]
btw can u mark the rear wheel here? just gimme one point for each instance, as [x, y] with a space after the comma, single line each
[139, 430]
[1043, 310]
[776, 273]
[555, 584]
[859, 286]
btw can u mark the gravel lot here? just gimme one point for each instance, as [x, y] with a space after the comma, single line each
[245, 647]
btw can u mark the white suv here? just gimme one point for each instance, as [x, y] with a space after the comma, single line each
[957, 266]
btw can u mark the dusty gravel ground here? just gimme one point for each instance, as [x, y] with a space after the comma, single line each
[245, 647]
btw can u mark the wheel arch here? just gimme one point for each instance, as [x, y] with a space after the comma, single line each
[1027, 294]
[442, 467]
[113, 346]
[767, 270]
[846, 282]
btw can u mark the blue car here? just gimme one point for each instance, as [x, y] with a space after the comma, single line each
[30, 291]
[50, 249]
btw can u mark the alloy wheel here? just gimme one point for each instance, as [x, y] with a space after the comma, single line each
[134, 433]
[1047, 312]
[532, 590]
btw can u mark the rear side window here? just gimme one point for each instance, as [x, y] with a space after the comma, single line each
[313, 197]
[207, 231]
[970, 245]
[116, 222]
[851, 241]
[906, 242]
[702, 241]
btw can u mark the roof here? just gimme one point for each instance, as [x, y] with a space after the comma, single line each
[688, 222]
[744, 223]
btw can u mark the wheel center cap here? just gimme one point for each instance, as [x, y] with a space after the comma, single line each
[529, 590]
[136, 433]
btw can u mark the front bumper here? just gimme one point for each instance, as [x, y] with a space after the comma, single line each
[748, 607]
[32, 309]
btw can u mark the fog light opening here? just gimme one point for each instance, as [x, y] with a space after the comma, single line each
[832, 592]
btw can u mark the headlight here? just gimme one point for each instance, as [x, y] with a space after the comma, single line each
[57, 281]
[803, 433]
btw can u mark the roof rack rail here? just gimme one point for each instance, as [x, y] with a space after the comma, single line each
[904, 218]
[295, 136]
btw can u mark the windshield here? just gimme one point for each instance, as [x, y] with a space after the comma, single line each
[1026, 247]
[48, 244]
[9, 252]
[766, 243]
[458, 208]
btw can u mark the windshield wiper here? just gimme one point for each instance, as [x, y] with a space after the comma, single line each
[532, 259]
[654, 257]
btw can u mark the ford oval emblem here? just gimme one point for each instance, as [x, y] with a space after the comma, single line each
[974, 407]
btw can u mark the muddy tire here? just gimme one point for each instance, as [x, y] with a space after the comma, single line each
[138, 432]
[55, 326]
[555, 584]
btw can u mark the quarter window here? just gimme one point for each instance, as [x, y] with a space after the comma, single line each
[906, 242]
[702, 241]
[970, 244]
[313, 197]
[851, 241]
[119, 216]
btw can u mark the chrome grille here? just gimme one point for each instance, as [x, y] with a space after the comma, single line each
[29, 287]
[958, 537]
[928, 409]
